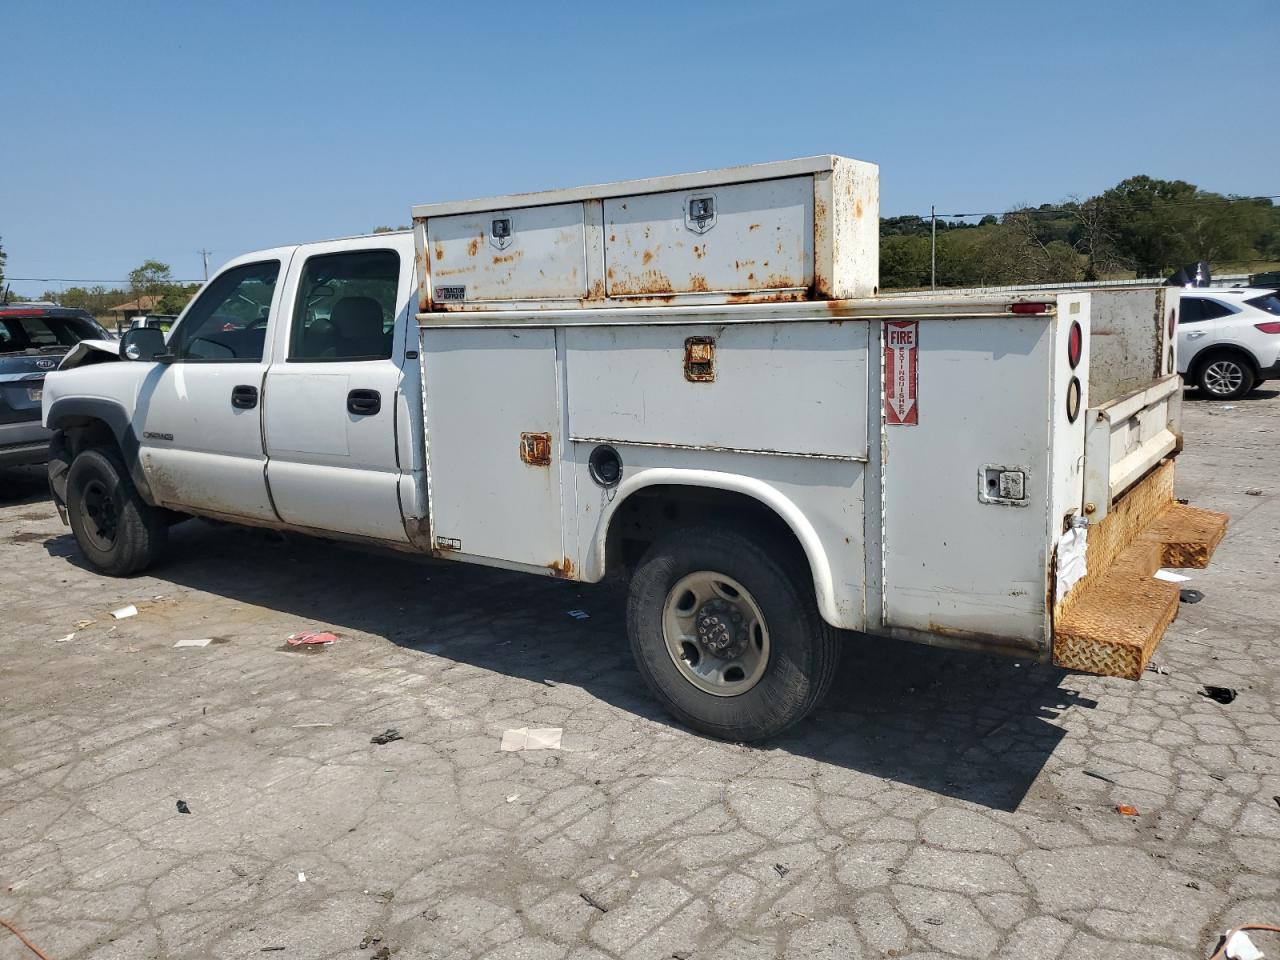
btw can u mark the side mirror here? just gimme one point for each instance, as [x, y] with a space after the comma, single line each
[144, 343]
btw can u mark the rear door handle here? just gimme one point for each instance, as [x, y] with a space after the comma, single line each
[244, 397]
[364, 403]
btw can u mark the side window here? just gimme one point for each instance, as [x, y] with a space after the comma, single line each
[1213, 310]
[346, 307]
[1191, 310]
[228, 321]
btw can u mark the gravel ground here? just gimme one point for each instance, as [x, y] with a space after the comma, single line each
[938, 806]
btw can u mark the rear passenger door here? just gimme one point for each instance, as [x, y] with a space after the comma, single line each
[331, 396]
[1198, 327]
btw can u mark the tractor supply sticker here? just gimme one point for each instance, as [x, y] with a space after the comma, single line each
[901, 348]
[451, 293]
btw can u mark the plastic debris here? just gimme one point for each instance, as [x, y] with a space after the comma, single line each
[182, 807]
[190, 642]
[1221, 694]
[1190, 596]
[593, 902]
[547, 738]
[302, 877]
[780, 870]
[270, 949]
[1240, 947]
[1171, 577]
[1097, 776]
[388, 735]
[311, 638]
[129, 611]
[513, 798]
[64, 639]
[579, 614]
[1126, 810]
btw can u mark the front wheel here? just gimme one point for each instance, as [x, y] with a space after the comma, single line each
[728, 640]
[117, 531]
[1225, 377]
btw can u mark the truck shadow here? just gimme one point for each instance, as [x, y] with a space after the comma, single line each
[962, 725]
[19, 485]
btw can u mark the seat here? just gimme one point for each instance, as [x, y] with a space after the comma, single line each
[358, 329]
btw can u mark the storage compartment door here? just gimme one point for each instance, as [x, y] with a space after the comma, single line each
[493, 443]
[533, 253]
[736, 237]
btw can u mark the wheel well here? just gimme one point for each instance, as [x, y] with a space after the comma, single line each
[653, 512]
[82, 433]
[1214, 353]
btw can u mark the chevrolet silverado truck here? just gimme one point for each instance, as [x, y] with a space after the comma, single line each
[691, 381]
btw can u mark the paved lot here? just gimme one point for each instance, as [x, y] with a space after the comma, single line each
[937, 807]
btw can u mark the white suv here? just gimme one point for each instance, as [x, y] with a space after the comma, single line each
[1229, 339]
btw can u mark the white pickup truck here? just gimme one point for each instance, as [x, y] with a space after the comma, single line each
[691, 381]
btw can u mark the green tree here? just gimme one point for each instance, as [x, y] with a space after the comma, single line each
[176, 297]
[152, 279]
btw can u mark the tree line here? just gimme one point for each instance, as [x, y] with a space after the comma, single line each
[1141, 227]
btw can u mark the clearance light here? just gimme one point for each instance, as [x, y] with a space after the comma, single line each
[1075, 344]
[1029, 308]
[1271, 326]
[1073, 399]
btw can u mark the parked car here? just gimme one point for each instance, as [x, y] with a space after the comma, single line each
[33, 340]
[1229, 339]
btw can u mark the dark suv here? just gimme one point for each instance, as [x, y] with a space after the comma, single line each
[33, 340]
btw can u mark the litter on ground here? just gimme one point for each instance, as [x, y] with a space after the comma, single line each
[526, 739]
[64, 639]
[386, 736]
[311, 638]
[579, 614]
[190, 642]
[129, 611]
[1171, 576]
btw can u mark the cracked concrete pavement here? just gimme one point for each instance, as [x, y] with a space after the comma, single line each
[937, 806]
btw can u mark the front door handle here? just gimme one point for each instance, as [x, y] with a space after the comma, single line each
[364, 403]
[244, 397]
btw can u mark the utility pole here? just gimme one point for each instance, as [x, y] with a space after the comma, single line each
[933, 247]
[204, 255]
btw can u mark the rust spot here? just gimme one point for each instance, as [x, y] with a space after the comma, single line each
[650, 282]
[596, 292]
[609, 273]
[473, 247]
[700, 359]
[647, 258]
[857, 209]
[439, 251]
[613, 238]
[754, 226]
[751, 276]
[562, 568]
[535, 449]
[505, 258]
[698, 283]
[699, 251]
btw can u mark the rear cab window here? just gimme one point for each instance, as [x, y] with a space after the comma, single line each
[346, 307]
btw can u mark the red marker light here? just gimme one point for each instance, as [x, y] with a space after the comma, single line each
[1271, 326]
[1075, 344]
[1029, 308]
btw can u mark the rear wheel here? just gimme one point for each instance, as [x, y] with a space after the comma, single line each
[726, 636]
[117, 531]
[1225, 376]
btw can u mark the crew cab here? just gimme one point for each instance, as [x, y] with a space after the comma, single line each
[690, 381]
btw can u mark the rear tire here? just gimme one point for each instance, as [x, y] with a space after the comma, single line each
[729, 640]
[1225, 376]
[118, 533]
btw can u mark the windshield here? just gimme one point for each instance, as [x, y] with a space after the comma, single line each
[1270, 303]
[18, 333]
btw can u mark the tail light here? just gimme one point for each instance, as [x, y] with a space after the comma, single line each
[1271, 326]
[1075, 344]
[1029, 307]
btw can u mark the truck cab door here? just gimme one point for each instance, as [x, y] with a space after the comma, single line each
[333, 394]
[198, 416]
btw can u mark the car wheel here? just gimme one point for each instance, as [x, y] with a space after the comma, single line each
[729, 641]
[118, 532]
[1225, 376]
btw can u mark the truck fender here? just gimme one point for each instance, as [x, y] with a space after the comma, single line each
[781, 505]
[70, 412]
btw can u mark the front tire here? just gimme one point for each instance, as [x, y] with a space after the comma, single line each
[1225, 376]
[729, 641]
[118, 532]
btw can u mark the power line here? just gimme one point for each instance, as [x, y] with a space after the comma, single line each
[74, 280]
[1111, 204]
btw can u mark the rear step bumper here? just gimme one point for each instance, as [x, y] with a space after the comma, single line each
[1110, 622]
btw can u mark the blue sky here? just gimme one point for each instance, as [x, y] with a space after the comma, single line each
[155, 129]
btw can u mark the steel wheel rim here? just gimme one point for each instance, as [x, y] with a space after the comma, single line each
[1223, 376]
[715, 633]
[98, 511]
